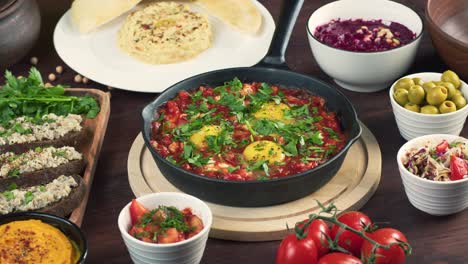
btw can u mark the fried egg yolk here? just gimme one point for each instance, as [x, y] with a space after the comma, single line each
[264, 150]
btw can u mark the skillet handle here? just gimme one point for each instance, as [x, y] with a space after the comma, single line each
[287, 19]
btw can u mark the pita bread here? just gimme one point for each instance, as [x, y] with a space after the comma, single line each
[87, 15]
[243, 15]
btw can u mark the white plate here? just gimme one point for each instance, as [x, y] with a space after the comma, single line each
[98, 57]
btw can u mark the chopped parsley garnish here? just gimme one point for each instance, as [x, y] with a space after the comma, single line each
[28, 197]
[12, 186]
[14, 172]
[8, 195]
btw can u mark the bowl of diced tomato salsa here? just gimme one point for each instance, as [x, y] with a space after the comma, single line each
[165, 228]
[434, 170]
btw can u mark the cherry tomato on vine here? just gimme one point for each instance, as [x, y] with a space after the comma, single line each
[385, 236]
[348, 240]
[318, 230]
[339, 258]
[296, 251]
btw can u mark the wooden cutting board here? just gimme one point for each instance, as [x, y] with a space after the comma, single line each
[349, 189]
[91, 147]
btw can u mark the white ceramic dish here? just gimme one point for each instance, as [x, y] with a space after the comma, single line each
[98, 57]
[412, 125]
[432, 197]
[365, 71]
[189, 251]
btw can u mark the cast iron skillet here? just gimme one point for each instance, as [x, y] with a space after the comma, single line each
[272, 69]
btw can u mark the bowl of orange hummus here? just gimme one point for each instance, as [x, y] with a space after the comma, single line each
[40, 238]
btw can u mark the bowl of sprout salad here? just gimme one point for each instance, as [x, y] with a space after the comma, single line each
[434, 171]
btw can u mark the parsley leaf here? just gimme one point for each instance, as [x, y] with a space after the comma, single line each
[28, 197]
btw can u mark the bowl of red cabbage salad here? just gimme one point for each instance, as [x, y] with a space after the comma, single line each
[444, 161]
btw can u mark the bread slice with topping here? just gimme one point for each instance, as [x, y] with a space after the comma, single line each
[24, 133]
[59, 197]
[38, 165]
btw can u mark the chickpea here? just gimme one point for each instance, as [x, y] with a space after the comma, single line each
[52, 77]
[78, 78]
[34, 60]
[59, 69]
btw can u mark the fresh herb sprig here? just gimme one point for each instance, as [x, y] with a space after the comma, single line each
[29, 97]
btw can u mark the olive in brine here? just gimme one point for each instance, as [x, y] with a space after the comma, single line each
[451, 77]
[436, 95]
[404, 83]
[401, 96]
[418, 81]
[459, 101]
[428, 85]
[450, 88]
[429, 110]
[447, 107]
[416, 94]
[412, 107]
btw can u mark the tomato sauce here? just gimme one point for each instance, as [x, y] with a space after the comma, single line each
[301, 131]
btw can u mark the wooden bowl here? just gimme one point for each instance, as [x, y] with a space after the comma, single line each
[447, 23]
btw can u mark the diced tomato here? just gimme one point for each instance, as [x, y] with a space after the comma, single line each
[137, 210]
[171, 235]
[458, 168]
[294, 100]
[151, 228]
[184, 99]
[442, 147]
[166, 140]
[196, 223]
[136, 230]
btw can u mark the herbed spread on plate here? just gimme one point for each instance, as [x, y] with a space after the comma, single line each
[246, 131]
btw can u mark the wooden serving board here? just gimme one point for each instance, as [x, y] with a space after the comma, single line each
[95, 130]
[349, 189]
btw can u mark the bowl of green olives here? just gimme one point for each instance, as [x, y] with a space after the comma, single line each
[429, 103]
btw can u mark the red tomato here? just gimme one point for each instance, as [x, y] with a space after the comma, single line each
[137, 210]
[442, 146]
[294, 251]
[385, 236]
[171, 235]
[458, 168]
[339, 258]
[347, 239]
[318, 230]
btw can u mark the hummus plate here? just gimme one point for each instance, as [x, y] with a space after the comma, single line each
[98, 57]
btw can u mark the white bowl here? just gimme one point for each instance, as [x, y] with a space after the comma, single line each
[432, 197]
[189, 251]
[412, 124]
[365, 71]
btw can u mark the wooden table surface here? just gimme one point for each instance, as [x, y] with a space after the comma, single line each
[434, 239]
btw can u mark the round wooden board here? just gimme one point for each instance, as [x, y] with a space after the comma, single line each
[349, 189]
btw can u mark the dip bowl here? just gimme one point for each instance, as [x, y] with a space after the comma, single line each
[72, 231]
[365, 71]
[432, 197]
[412, 124]
[189, 251]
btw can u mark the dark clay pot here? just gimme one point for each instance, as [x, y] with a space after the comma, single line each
[20, 23]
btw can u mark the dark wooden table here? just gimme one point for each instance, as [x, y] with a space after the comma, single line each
[434, 239]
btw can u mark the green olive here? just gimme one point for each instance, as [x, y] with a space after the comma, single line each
[437, 95]
[429, 110]
[401, 96]
[452, 77]
[458, 92]
[416, 94]
[412, 107]
[418, 81]
[459, 101]
[447, 107]
[404, 83]
[428, 85]
[438, 82]
[450, 88]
